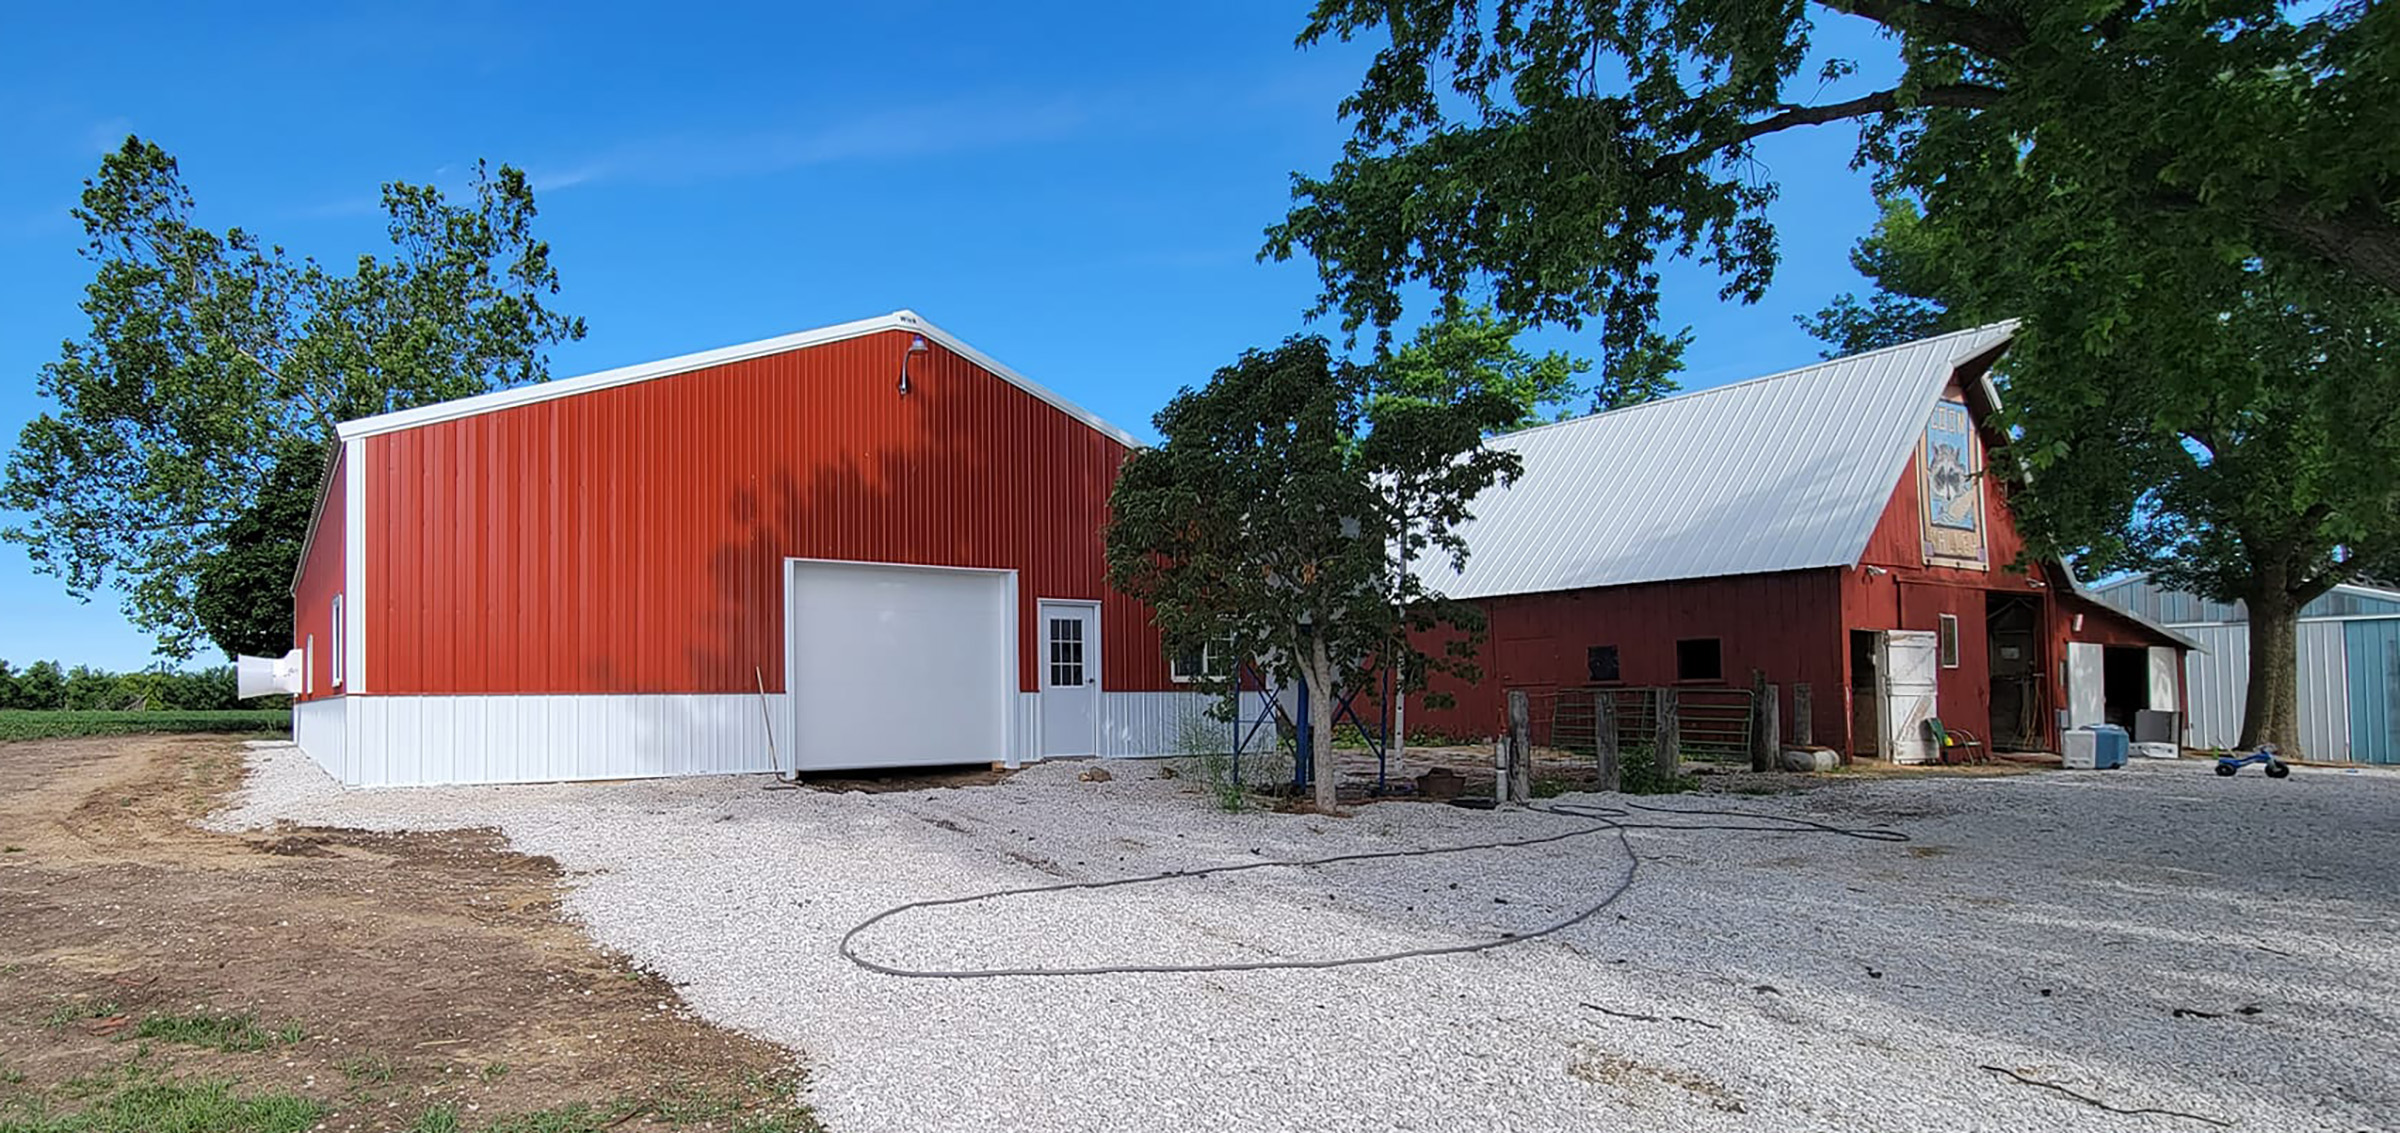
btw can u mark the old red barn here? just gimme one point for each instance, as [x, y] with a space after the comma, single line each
[1830, 527]
[863, 545]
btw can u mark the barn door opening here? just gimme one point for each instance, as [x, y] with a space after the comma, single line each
[1070, 678]
[1866, 696]
[2012, 628]
[1909, 663]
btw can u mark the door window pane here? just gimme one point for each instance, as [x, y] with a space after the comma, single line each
[1066, 651]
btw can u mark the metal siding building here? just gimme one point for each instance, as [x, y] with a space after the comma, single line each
[623, 574]
[1785, 520]
[2349, 666]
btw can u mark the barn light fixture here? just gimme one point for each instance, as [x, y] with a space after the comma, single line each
[916, 346]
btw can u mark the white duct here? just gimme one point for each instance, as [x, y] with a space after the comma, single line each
[267, 676]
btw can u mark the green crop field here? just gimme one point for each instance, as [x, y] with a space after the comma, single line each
[20, 724]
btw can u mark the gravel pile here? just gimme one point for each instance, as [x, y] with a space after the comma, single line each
[2151, 938]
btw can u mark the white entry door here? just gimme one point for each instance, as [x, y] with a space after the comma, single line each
[2087, 684]
[1070, 665]
[1911, 661]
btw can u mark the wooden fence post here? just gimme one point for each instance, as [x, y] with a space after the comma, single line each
[1667, 754]
[1604, 738]
[1514, 783]
[1762, 720]
[1770, 731]
[1804, 733]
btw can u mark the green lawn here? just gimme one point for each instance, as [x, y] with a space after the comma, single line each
[18, 724]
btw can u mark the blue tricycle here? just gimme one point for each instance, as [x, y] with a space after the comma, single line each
[2228, 764]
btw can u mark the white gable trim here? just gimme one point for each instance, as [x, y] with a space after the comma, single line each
[686, 363]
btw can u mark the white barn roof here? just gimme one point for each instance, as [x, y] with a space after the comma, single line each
[1785, 472]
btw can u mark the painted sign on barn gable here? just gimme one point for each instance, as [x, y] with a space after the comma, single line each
[1951, 478]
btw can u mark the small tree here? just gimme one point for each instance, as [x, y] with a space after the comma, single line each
[1276, 512]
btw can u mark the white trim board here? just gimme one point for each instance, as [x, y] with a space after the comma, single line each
[668, 367]
[354, 566]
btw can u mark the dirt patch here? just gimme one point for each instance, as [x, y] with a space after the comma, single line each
[414, 969]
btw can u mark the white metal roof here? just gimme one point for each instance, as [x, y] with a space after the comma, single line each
[1784, 472]
[686, 363]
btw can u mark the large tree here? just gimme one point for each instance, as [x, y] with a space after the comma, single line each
[179, 461]
[2228, 423]
[1275, 514]
[1551, 151]
[2194, 208]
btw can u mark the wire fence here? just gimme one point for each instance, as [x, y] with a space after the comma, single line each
[1711, 724]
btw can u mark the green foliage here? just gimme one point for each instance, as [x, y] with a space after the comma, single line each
[1278, 507]
[215, 1030]
[1638, 773]
[242, 597]
[1472, 349]
[43, 686]
[437, 1119]
[137, 1098]
[1550, 152]
[78, 1010]
[2223, 422]
[49, 725]
[190, 421]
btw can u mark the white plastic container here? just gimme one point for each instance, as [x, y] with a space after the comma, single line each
[2156, 751]
[2080, 749]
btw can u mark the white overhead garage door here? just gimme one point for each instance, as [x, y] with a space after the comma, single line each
[897, 666]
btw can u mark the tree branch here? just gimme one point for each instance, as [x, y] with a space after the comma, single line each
[2360, 238]
[1981, 32]
[1969, 96]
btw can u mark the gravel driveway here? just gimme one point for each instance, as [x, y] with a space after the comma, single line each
[2148, 938]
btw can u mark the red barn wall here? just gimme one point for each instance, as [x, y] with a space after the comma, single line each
[1783, 624]
[632, 539]
[322, 574]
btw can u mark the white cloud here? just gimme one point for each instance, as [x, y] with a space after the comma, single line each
[930, 130]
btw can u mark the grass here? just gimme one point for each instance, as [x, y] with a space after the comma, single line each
[134, 1097]
[23, 724]
[370, 1070]
[437, 1119]
[76, 1011]
[216, 1031]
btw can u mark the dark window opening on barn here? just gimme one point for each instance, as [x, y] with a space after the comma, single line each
[1601, 662]
[1699, 659]
[1948, 639]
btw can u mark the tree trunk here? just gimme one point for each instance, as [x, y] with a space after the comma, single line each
[2272, 712]
[1327, 773]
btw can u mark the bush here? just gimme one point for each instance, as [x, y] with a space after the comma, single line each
[1638, 774]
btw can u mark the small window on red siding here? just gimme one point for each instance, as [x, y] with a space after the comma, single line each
[1949, 640]
[1601, 663]
[1699, 659]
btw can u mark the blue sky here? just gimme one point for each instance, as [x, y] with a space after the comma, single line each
[1079, 190]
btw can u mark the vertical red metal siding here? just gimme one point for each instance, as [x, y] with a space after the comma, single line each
[632, 539]
[1777, 623]
[322, 576]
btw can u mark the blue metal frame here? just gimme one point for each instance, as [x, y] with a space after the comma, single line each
[1244, 730]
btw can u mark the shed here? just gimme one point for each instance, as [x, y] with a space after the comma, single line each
[1830, 527]
[2349, 666]
[864, 545]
